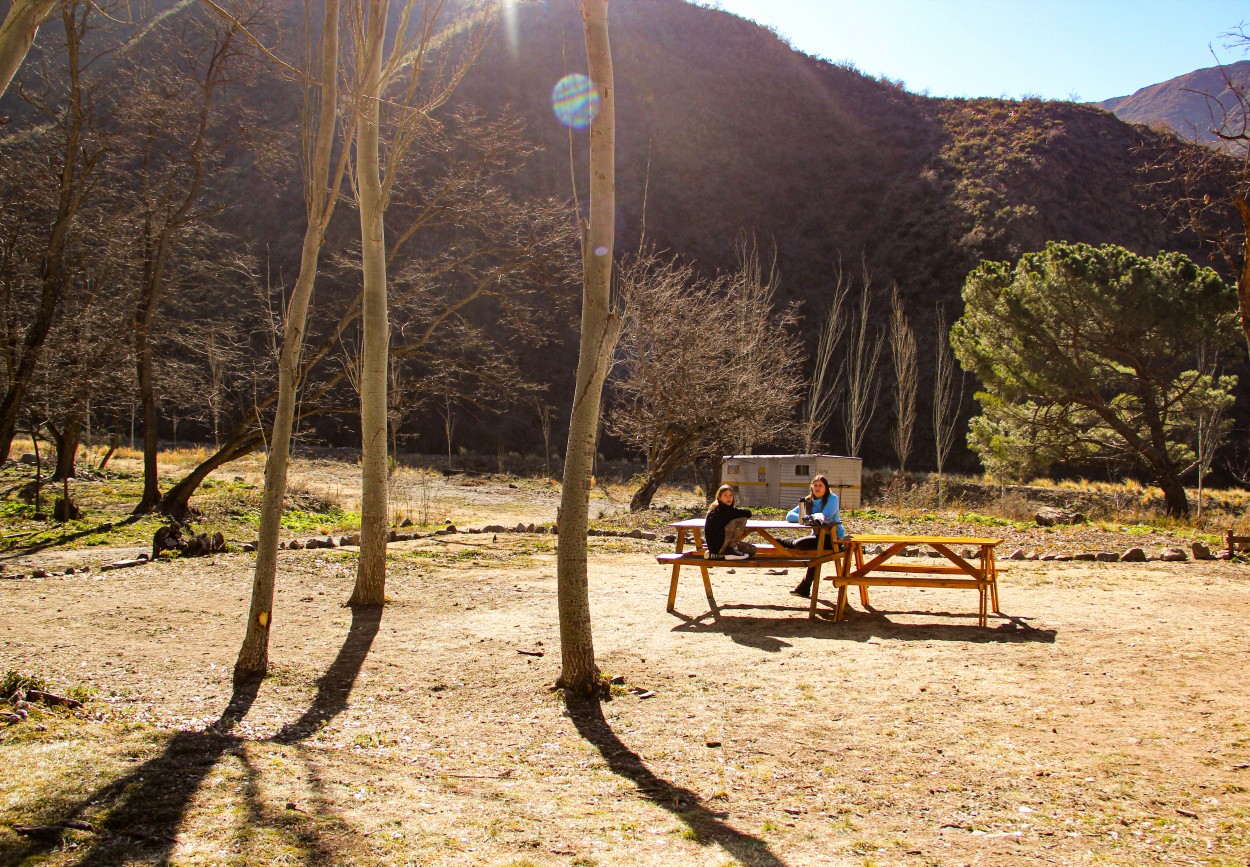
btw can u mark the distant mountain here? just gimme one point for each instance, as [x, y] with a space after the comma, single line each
[1190, 104]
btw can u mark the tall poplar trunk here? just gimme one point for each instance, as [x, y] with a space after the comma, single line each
[600, 329]
[17, 35]
[322, 194]
[371, 569]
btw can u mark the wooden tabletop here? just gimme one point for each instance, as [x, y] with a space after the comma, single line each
[698, 523]
[875, 539]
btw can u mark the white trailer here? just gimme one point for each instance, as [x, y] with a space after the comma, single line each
[780, 481]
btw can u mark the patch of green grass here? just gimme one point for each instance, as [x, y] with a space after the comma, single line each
[326, 522]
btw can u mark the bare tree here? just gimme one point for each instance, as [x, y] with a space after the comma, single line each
[863, 386]
[422, 86]
[475, 271]
[17, 34]
[718, 378]
[600, 329]
[826, 381]
[947, 399]
[903, 355]
[323, 178]
[78, 155]
[1207, 188]
[181, 135]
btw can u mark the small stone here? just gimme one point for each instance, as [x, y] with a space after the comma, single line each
[248, 547]
[648, 694]
[711, 744]
[1173, 555]
[1108, 557]
[670, 538]
[406, 522]
[1085, 555]
[295, 545]
[618, 679]
[451, 528]
[353, 539]
[282, 546]
[513, 486]
[312, 544]
[1201, 551]
[1017, 554]
[39, 573]
[328, 542]
[635, 533]
[520, 528]
[530, 528]
[647, 535]
[1049, 557]
[71, 571]
[1133, 555]
[392, 536]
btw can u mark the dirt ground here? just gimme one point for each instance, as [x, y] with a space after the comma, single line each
[1102, 719]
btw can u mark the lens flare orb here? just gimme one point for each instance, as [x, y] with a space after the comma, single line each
[575, 101]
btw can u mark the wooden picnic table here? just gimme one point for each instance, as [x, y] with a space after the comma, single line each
[770, 553]
[980, 573]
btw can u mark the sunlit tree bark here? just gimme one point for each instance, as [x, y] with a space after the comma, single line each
[322, 184]
[600, 329]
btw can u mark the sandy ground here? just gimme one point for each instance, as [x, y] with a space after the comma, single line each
[1103, 719]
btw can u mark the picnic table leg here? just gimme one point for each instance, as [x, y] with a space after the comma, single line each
[707, 587]
[815, 594]
[672, 588]
[991, 572]
[841, 609]
[982, 590]
[859, 564]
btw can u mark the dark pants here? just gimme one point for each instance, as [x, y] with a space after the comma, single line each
[806, 543]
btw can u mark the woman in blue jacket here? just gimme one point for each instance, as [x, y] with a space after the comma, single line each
[820, 508]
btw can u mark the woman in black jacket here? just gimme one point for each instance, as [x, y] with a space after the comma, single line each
[724, 528]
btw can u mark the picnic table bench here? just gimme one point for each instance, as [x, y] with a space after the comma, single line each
[852, 566]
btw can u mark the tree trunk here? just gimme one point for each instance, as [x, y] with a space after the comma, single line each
[17, 35]
[641, 500]
[148, 417]
[176, 502]
[370, 586]
[708, 472]
[253, 661]
[1174, 496]
[67, 440]
[600, 329]
[1243, 279]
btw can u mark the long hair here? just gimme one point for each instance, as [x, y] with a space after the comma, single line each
[820, 478]
[716, 500]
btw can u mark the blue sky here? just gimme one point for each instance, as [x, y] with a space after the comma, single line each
[1058, 49]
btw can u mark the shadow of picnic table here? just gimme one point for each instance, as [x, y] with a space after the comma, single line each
[770, 634]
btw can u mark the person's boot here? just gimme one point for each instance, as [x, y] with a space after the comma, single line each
[805, 586]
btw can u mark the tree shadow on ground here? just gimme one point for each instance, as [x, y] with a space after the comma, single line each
[145, 808]
[769, 633]
[708, 826]
[27, 550]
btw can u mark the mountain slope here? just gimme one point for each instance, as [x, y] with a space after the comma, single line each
[1190, 104]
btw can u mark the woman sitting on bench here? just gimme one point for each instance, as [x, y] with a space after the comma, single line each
[724, 528]
[820, 509]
